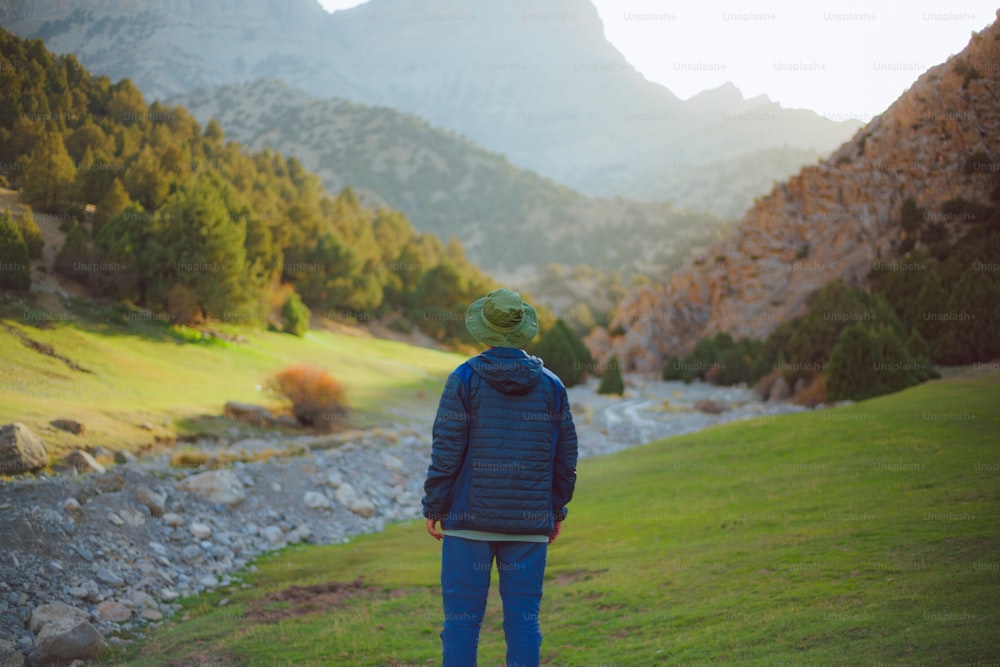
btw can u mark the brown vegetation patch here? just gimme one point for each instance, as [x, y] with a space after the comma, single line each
[296, 601]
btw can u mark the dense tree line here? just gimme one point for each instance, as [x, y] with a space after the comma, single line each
[193, 225]
[938, 304]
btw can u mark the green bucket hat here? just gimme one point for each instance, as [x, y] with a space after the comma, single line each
[501, 319]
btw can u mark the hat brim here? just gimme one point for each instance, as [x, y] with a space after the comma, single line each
[518, 337]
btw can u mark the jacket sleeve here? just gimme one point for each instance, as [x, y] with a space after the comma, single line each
[564, 470]
[448, 448]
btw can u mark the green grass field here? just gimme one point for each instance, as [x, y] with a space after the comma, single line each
[148, 372]
[868, 534]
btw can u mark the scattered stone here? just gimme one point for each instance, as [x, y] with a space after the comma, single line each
[65, 640]
[69, 425]
[109, 578]
[114, 611]
[143, 600]
[83, 462]
[48, 613]
[191, 553]
[247, 412]
[79, 592]
[146, 426]
[115, 519]
[71, 506]
[349, 498]
[10, 654]
[173, 520]
[273, 534]
[21, 450]
[151, 614]
[216, 486]
[710, 406]
[392, 463]
[155, 501]
[83, 552]
[315, 500]
[299, 534]
[168, 594]
[335, 479]
[276, 487]
[124, 457]
[201, 531]
[209, 581]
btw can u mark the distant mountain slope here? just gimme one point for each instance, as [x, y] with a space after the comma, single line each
[534, 80]
[511, 221]
[939, 141]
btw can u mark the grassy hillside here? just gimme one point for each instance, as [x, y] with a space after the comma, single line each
[114, 374]
[866, 534]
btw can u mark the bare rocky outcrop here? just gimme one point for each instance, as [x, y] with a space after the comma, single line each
[21, 450]
[834, 220]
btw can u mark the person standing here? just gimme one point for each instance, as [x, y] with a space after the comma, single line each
[503, 468]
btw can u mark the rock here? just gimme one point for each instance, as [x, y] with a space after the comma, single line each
[44, 614]
[201, 531]
[173, 520]
[114, 611]
[168, 594]
[83, 462]
[247, 412]
[65, 640]
[143, 600]
[10, 655]
[191, 553]
[71, 506]
[109, 578]
[251, 446]
[299, 534]
[155, 501]
[124, 457]
[710, 406]
[151, 614]
[315, 500]
[78, 592]
[335, 479]
[209, 581]
[21, 450]
[216, 486]
[392, 463]
[349, 498]
[115, 519]
[69, 425]
[273, 534]
[779, 390]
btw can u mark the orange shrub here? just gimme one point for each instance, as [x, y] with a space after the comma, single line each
[316, 396]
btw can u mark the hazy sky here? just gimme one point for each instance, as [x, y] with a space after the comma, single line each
[843, 59]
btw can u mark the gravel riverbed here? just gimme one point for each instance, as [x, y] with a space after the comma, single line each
[119, 548]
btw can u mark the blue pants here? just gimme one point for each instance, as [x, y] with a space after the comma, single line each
[465, 583]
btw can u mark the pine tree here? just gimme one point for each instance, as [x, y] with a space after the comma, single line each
[561, 354]
[48, 178]
[296, 316]
[30, 232]
[611, 380]
[115, 201]
[15, 271]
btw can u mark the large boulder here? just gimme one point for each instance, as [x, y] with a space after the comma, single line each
[83, 462]
[62, 641]
[44, 614]
[216, 486]
[21, 450]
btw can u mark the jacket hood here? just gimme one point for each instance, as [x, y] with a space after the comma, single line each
[508, 370]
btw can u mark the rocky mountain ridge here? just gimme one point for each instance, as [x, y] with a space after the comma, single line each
[939, 141]
[535, 81]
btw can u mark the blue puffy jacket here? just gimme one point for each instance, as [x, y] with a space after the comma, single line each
[504, 447]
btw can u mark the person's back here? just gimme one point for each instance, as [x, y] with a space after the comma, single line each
[503, 468]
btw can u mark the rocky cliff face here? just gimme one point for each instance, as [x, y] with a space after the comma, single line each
[833, 220]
